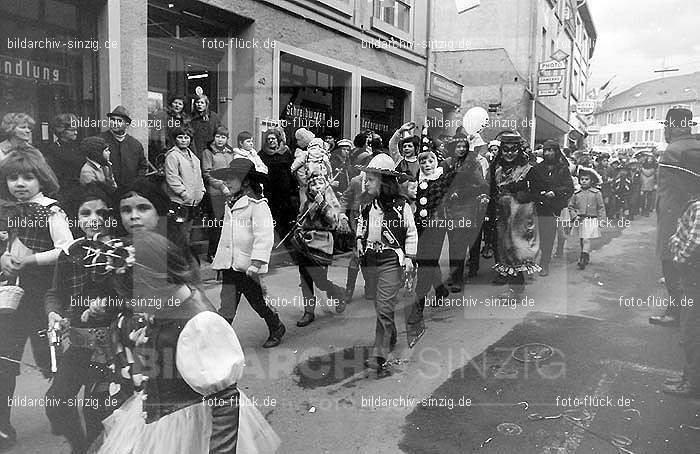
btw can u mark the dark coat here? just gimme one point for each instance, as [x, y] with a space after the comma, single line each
[557, 179]
[465, 184]
[675, 188]
[128, 159]
[65, 161]
[204, 132]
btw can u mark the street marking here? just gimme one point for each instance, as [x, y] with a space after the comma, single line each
[573, 439]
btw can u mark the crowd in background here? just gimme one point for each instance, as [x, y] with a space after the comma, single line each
[392, 206]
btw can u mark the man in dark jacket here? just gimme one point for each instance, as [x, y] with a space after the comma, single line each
[126, 153]
[63, 155]
[558, 189]
[675, 185]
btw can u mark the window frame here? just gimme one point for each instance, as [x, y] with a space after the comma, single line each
[379, 24]
[343, 7]
[652, 110]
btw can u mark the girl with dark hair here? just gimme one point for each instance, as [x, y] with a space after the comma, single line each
[182, 359]
[386, 242]
[97, 167]
[85, 361]
[243, 252]
[38, 229]
[514, 187]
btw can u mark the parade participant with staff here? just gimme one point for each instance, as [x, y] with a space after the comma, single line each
[386, 243]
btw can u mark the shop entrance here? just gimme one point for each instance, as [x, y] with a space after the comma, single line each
[382, 108]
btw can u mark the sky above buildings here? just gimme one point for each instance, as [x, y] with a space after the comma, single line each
[636, 37]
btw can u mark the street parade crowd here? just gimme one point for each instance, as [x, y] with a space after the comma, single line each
[97, 246]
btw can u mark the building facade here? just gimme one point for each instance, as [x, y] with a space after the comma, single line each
[334, 66]
[506, 41]
[633, 120]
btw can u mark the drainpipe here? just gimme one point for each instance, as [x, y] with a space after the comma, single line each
[534, 32]
[428, 61]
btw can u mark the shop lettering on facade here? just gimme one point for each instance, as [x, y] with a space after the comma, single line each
[303, 117]
[23, 68]
[371, 125]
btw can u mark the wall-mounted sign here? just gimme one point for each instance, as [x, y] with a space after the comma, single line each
[550, 79]
[445, 90]
[552, 64]
[40, 72]
[550, 92]
[585, 107]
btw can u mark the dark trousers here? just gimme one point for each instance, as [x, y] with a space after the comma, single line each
[74, 373]
[429, 248]
[548, 233]
[18, 326]
[647, 202]
[309, 274]
[460, 239]
[475, 252]
[672, 277]
[690, 323]
[382, 269]
[237, 283]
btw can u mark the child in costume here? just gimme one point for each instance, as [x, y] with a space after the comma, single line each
[86, 333]
[387, 242]
[430, 219]
[313, 243]
[243, 253]
[38, 229]
[184, 362]
[311, 159]
[588, 210]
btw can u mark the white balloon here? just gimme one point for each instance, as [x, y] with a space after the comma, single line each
[475, 120]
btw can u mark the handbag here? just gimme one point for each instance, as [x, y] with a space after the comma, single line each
[314, 244]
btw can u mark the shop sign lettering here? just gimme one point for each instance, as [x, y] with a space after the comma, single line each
[23, 68]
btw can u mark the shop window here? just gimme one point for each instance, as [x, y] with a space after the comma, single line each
[312, 96]
[24, 8]
[393, 17]
[62, 14]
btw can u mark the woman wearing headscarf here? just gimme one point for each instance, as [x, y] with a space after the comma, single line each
[555, 196]
[514, 189]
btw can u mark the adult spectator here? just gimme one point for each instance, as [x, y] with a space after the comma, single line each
[675, 183]
[361, 143]
[172, 116]
[558, 189]
[282, 193]
[204, 123]
[126, 153]
[17, 130]
[62, 154]
[465, 201]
